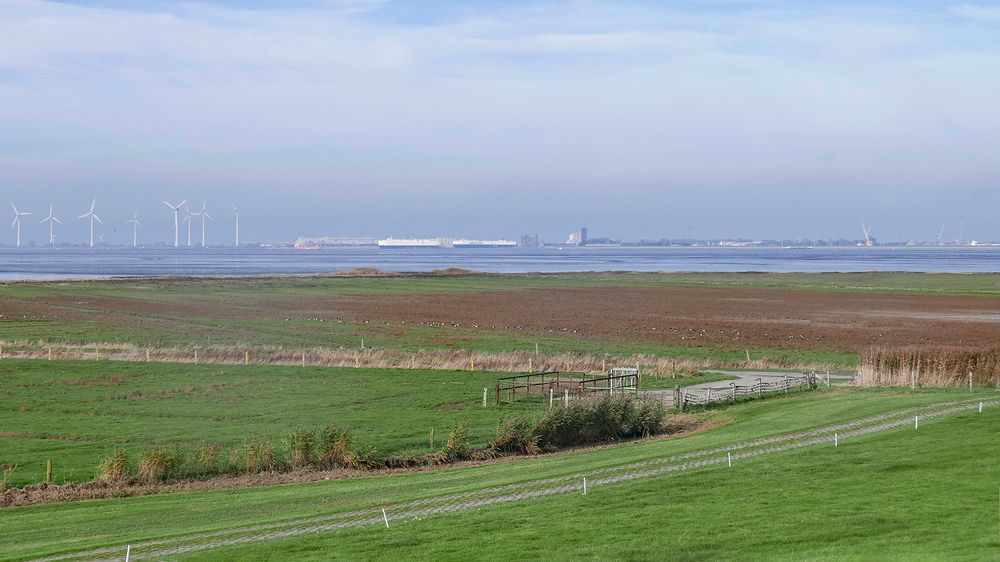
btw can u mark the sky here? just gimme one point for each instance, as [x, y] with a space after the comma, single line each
[483, 119]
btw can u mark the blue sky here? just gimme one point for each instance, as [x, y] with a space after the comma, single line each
[637, 119]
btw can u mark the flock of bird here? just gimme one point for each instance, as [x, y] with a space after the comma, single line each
[91, 216]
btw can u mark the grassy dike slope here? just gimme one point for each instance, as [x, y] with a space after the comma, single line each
[932, 490]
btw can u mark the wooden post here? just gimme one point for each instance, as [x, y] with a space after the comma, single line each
[50, 354]
[246, 357]
[196, 357]
[485, 392]
[748, 355]
[530, 367]
[432, 438]
[496, 392]
[760, 387]
[97, 353]
[970, 380]
[673, 370]
[48, 471]
[303, 358]
[677, 397]
[472, 364]
[362, 343]
[1, 352]
[536, 348]
[147, 355]
[357, 360]
[786, 384]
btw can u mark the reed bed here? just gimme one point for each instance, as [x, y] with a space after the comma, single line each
[381, 358]
[932, 366]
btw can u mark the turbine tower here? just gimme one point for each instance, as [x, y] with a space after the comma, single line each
[204, 215]
[93, 217]
[51, 219]
[134, 221]
[176, 208]
[187, 218]
[17, 222]
[236, 210]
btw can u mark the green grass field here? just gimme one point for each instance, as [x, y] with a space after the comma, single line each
[902, 494]
[75, 412]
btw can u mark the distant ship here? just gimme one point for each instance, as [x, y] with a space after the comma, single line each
[400, 243]
[484, 244]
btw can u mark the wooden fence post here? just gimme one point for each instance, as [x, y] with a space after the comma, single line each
[485, 392]
[147, 355]
[48, 471]
[196, 357]
[246, 357]
[530, 366]
[677, 397]
[97, 353]
[50, 354]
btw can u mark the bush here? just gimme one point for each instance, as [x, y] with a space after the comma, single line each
[258, 456]
[333, 447]
[595, 421]
[513, 437]
[205, 459]
[300, 449]
[457, 448]
[159, 466]
[363, 460]
[114, 467]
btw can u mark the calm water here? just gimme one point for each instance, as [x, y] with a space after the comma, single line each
[44, 263]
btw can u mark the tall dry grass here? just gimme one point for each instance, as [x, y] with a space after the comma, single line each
[445, 359]
[934, 366]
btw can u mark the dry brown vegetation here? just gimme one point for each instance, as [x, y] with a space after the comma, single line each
[936, 366]
[443, 359]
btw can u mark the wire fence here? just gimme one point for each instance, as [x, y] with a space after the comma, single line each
[527, 490]
[736, 392]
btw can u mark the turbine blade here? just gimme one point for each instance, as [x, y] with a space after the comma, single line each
[13, 207]
[98, 219]
[83, 216]
[57, 220]
[168, 204]
[16, 219]
[92, 203]
[182, 203]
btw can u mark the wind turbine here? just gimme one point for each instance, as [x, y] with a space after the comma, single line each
[51, 219]
[236, 210]
[17, 222]
[940, 236]
[868, 235]
[176, 208]
[90, 214]
[187, 218]
[204, 215]
[134, 221]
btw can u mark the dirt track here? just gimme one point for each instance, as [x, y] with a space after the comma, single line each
[701, 316]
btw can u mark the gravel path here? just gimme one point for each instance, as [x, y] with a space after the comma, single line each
[487, 496]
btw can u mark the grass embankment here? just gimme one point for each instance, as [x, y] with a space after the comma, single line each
[941, 501]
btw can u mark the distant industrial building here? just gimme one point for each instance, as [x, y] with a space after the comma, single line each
[316, 242]
[578, 238]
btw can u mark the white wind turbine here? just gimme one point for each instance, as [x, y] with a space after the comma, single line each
[176, 208]
[51, 219]
[17, 222]
[236, 210]
[93, 217]
[134, 221]
[187, 218]
[204, 215]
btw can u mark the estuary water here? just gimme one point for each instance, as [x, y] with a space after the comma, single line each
[84, 263]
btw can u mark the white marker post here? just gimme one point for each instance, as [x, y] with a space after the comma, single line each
[566, 397]
[980, 407]
[836, 440]
[585, 485]
[484, 396]
[729, 458]
[128, 552]
[385, 518]
[551, 396]
[916, 422]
